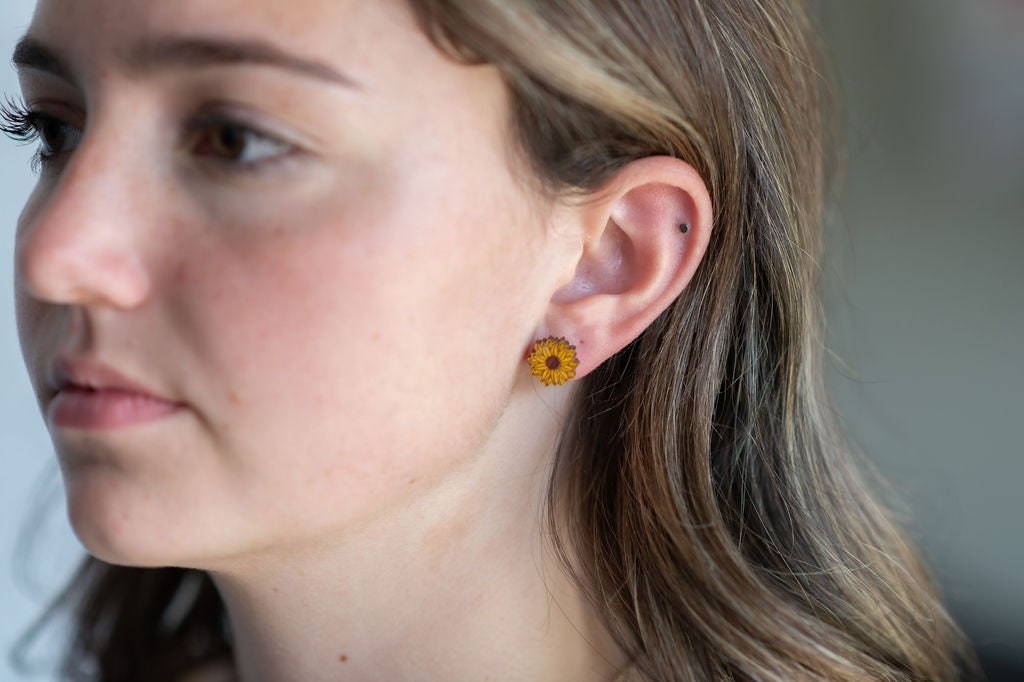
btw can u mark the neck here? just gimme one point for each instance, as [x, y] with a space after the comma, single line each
[461, 584]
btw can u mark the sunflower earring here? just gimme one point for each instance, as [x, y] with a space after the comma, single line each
[553, 361]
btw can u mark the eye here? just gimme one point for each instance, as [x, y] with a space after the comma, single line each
[56, 138]
[235, 143]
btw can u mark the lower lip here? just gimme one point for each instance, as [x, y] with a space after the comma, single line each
[77, 408]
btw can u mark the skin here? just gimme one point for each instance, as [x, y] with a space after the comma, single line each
[343, 312]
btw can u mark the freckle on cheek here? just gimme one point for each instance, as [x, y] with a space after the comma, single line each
[343, 658]
[234, 399]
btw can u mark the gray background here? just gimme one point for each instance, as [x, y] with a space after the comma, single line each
[925, 301]
[927, 286]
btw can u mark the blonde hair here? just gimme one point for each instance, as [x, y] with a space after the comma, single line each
[716, 520]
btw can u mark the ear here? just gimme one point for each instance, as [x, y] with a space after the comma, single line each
[644, 234]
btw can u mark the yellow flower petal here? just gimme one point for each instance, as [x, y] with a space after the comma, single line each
[557, 351]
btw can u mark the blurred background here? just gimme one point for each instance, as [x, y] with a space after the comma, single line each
[925, 273]
[925, 293]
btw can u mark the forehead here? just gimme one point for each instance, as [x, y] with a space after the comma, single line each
[359, 33]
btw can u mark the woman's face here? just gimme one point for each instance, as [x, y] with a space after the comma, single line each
[300, 227]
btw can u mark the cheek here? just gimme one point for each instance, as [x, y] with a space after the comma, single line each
[336, 367]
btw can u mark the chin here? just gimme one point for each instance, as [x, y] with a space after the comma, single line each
[122, 523]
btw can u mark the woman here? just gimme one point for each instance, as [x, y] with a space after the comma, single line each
[447, 341]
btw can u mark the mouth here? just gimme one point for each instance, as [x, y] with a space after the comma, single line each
[94, 397]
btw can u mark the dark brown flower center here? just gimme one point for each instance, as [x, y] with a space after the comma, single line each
[553, 362]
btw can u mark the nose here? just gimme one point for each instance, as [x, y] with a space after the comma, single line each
[78, 238]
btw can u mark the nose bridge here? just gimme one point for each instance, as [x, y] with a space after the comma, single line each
[79, 237]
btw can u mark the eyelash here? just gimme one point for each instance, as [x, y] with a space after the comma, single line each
[18, 123]
[25, 125]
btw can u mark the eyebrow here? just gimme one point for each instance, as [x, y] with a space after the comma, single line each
[31, 54]
[166, 53]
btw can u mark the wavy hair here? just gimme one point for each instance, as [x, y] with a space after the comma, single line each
[716, 518]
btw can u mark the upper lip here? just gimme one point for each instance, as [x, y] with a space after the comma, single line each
[77, 373]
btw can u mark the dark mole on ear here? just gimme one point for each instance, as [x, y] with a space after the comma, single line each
[684, 228]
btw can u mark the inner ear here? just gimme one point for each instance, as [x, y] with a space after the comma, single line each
[608, 266]
[640, 241]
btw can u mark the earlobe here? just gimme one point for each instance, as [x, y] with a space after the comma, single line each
[644, 234]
